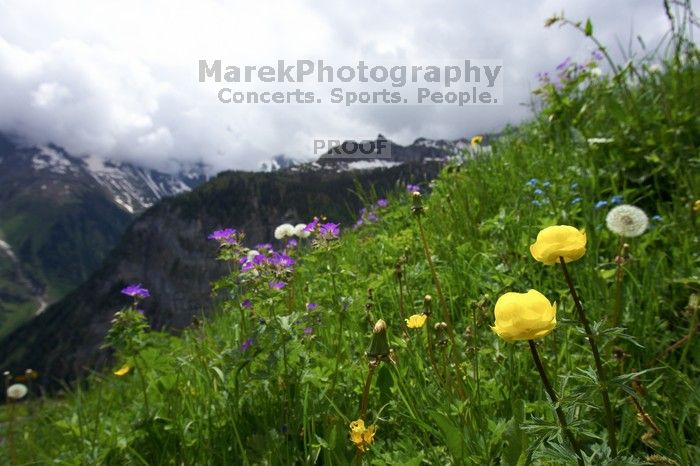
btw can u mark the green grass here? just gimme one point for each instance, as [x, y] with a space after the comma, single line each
[289, 398]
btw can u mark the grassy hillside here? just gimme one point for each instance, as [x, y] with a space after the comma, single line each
[59, 239]
[282, 375]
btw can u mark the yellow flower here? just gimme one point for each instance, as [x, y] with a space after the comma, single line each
[416, 321]
[696, 206]
[559, 241]
[524, 316]
[476, 140]
[359, 435]
[122, 371]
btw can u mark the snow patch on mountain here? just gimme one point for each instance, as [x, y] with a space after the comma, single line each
[137, 188]
[48, 158]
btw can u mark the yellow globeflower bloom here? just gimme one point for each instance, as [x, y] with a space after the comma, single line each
[476, 140]
[696, 206]
[122, 371]
[559, 241]
[359, 435]
[524, 316]
[416, 321]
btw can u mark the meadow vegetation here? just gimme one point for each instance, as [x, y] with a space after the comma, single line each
[373, 343]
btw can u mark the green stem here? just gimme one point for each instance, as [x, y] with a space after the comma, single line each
[365, 392]
[10, 433]
[436, 282]
[475, 339]
[691, 334]
[144, 387]
[401, 303]
[431, 352]
[555, 401]
[445, 311]
[596, 357]
[341, 316]
[617, 309]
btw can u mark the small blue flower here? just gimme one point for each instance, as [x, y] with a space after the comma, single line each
[576, 200]
[657, 218]
[536, 203]
[574, 185]
[539, 192]
[601, 204]
[546, 184]
[532, 182]
[616, 200]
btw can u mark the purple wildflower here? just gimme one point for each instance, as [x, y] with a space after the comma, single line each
[382, 202]
[308, 330]
[277, 285]
[262, 247]
[136, 291]
[246, 304]
[311, 226]
[311, 306]
[292, 243]
[412, 188]
[247, 344]
[597, 55]
[563, 65]
[224, 236]
[329, 230]
[372, 217]
[282, 260]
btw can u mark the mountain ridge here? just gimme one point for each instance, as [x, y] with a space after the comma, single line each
[60, 214]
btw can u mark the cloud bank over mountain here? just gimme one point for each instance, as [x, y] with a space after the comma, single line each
[120, 79]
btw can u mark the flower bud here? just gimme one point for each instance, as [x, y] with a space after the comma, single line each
[379, 346]
[427, 304]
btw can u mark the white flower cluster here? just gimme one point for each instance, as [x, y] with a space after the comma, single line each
[287, 230]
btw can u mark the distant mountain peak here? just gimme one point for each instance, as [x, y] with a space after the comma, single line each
[136, 188]
[278, 162]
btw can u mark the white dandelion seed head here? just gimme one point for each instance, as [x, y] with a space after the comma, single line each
[17, 391]
[284, 231]
[252, 253]
[627, 221]
[299, 230]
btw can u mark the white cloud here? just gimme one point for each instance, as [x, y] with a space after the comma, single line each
[118, 79]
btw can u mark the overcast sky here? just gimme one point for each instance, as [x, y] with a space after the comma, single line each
[118, 79]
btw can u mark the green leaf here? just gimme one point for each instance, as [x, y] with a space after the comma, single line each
[220, 374]
[589, 28]
[453, 435]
